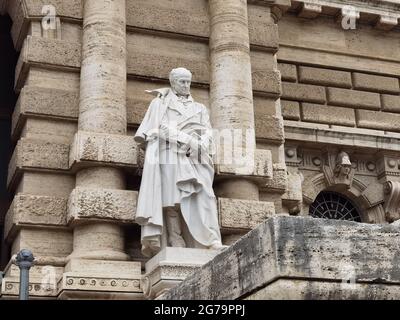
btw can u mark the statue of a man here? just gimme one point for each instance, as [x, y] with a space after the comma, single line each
[177, 206]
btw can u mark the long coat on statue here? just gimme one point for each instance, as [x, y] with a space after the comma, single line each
[191, 179]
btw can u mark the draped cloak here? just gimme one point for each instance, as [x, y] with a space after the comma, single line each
[194, 179]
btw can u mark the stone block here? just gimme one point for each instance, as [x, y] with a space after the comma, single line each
[258, 168]
[353, 98]
[35, 210]
[288, 72]
[370, 82]
[38, 154]
[243, 214]
[102, 204]
[184, 17]
[48, 52]
[328, 114]
[170, 267]
[303, 92]
[270, 128]
[378, 120]
[267, 82]
[293, 248]
[154, 56]
[290, 110]
[325, 77]
[46, 102]
[263, 34]
[107, 149]
[390, 103]
[45, 243]
[280, 180]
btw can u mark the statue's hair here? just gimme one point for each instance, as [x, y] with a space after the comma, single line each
[178, 72]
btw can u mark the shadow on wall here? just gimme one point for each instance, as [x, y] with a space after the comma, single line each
[8, 59]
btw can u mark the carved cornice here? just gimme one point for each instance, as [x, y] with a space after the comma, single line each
[385, 14]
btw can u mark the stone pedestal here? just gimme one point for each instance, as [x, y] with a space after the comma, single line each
[100, 280]
[170, 267]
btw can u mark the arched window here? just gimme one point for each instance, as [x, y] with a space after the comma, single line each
[332, 205]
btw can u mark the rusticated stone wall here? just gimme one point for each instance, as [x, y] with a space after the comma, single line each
[285, 69]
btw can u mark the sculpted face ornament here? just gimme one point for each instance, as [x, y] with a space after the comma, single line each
[343, 165]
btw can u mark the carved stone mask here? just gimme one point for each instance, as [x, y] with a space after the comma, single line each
[343, 164]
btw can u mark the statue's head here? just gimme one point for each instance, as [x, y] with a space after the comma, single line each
[180, 80]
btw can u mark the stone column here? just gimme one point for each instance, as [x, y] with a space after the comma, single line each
[102, 110]
[231, 90]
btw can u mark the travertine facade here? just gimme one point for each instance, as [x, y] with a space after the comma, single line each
[73, 94]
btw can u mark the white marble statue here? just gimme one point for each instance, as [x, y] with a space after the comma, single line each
[177, 206]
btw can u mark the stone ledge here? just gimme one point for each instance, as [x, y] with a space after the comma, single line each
[299, 248]
[243, 214]
[105, 149]
[102, 204]
[35, 210]
[338, 135]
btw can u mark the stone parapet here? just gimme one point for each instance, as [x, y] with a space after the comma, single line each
[290, 250]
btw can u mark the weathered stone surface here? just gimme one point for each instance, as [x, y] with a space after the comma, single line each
[102, 204]
[30, 153]
[183, 17]
[353, 98]
[243, 214]
[46, 243]
[290, 110]
[303, 92]
[325, 77]
[107, 149]
[270, 128]
[378, 120]
[286, 247]
[46, 102]
[267, 82]
[35, 210]
[295, 289]
[280, 180]
[49, 52]
[390, 103]
[328, 114]
[262, 168]
[288, 72]
[370, 82]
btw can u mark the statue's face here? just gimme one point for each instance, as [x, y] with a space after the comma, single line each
[181, 86]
